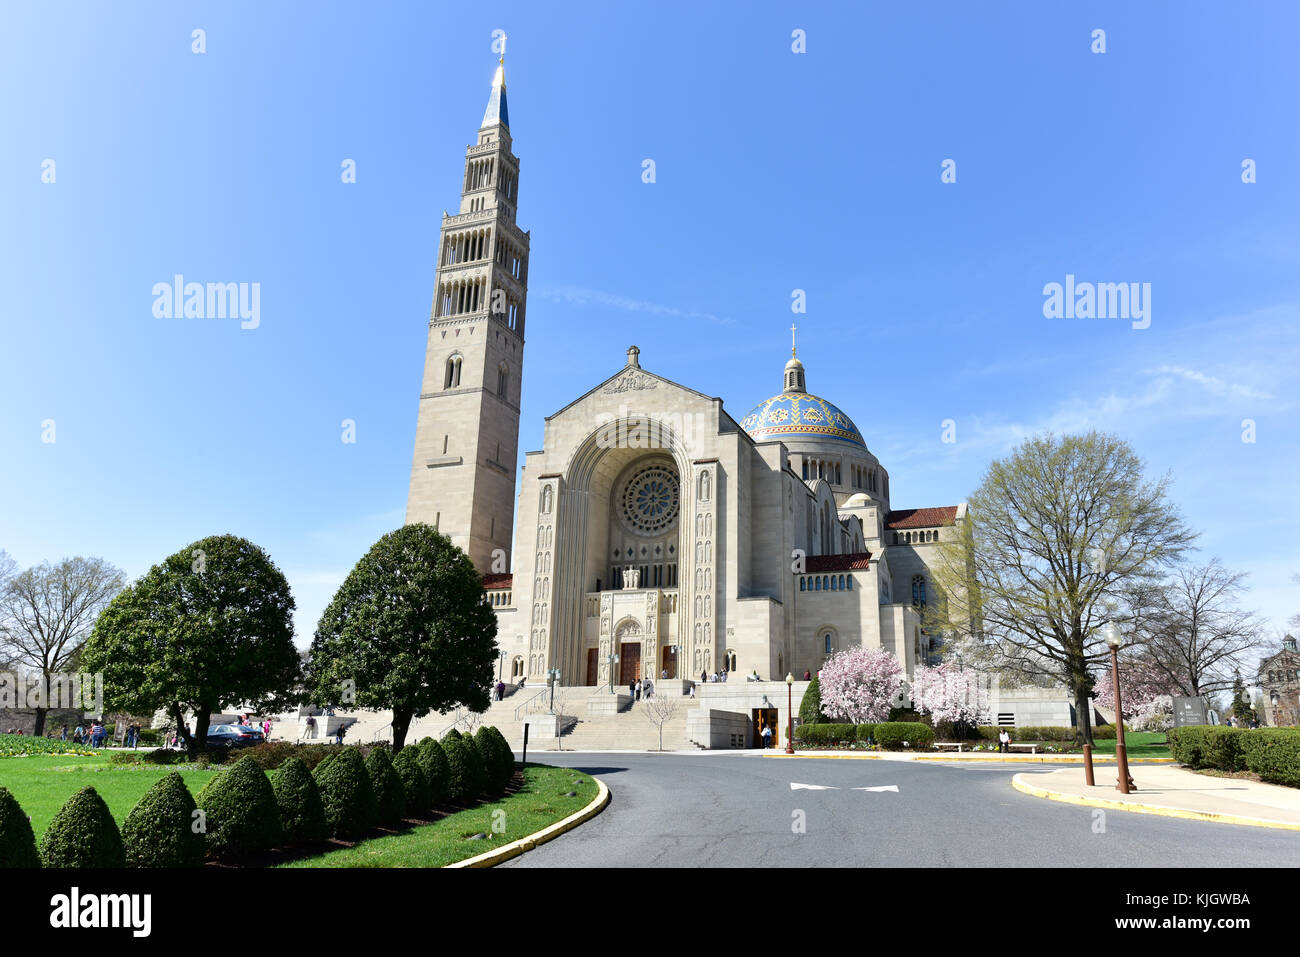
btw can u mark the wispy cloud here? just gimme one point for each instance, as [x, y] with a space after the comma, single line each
[1212, 383]
[581, 296]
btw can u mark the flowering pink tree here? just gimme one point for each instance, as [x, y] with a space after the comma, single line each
[951, 694]
[860, 684]
[1140, 685]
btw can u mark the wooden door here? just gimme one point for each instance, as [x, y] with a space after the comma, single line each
[670, 661]
[629, 661]
[592, 668]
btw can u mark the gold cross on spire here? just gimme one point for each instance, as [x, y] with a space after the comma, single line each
[793, 327]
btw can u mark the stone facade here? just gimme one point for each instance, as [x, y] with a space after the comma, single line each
[1279, 679]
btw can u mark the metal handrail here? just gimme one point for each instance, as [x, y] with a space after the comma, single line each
[531, 705]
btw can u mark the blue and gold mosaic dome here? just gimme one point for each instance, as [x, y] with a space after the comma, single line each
[799, 415]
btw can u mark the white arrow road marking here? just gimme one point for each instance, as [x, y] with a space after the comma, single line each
[887, 787]
[813, 787]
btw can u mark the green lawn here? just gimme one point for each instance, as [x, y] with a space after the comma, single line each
[541, 802]
[43, 783]
[1137, 744]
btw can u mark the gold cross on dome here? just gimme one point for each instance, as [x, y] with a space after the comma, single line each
[793, 327]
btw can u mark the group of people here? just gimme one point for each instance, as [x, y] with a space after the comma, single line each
[638, 688]
[706, 678]
[246, 721]
[1235, 722]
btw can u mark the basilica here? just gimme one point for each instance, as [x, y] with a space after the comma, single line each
[658, 535]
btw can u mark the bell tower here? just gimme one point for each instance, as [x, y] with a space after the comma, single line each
[467, 434]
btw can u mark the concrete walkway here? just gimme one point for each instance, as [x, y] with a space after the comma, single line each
[1172, 792]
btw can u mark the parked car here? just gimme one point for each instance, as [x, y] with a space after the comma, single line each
[234, 736]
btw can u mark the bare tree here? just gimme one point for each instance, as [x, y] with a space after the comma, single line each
[1058, 531]
[49, 611]
[1192, 629]
[660, 709]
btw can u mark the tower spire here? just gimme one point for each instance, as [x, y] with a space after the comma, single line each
[793, 377]
[497, 113]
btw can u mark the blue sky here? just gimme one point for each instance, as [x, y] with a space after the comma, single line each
[775, 171]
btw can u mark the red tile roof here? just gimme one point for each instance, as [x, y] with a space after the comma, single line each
[498, 581]
[922, 517]
[838, 563]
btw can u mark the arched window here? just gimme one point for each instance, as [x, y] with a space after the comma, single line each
[503, 378]
[918, 591]
[453, 372]
[828, 642]
[848, 583]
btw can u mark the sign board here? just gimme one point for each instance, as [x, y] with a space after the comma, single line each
[1189, 711]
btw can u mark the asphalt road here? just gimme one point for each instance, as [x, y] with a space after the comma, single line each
[738, 810]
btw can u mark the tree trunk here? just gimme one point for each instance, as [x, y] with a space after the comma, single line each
[39, 728]
[401, 725]
[202, 719]
[182, 731]
[1083, 718]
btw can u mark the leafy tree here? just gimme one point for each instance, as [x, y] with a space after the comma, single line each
[409, 630]
[1240, 703]
[1059, 533]
[949, 693]
[860, 684]
[46, 615]
[211, 627]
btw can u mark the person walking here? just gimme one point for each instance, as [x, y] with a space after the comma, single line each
[631, 689]
[266, 729]
[767, 736]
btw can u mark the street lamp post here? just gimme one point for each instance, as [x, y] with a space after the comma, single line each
[789, 714]
[613, 660]
[1125, 783]
[554, 675]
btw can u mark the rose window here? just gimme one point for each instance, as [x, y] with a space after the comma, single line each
[650, 500]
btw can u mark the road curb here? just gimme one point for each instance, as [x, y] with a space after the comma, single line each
[1159, 810]
[507, 851]
[988, 758]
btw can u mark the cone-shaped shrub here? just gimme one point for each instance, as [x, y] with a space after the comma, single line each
[507, 755]
[415, 780]
[323, 762]
[478, 780]
[83, 834]
[242, 816]
[160, 830]
[489, 747]
[451, 733]
[301, 811]
[434, 759]
[390, 797]
[17, 843]
[346, 795]
[462, 770]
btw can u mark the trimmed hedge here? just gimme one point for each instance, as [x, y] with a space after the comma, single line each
[17, 842]
[159, 831]
[241, 811]
[83, 834]
[390, 796]
[462, 770]
[415, 780]
[434, 759]
[1208, 746]
[1273, 754]
[302, 814]
[347, 794]
[831, 734]
[900, 735]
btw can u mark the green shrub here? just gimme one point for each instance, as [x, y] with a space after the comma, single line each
[1209, 746]
[159, 831]
[164, 756]
[810, 708]
[241, 812]
[866, 733]
[83, 834]
[346, 794]
[409, 766]
[478, 766]
[1273, 754]
[390, 796]
[506, 755]
[434, 759]
[17, 843]
[892, 735]
[301, 812]
[462, 773]
[451, 733]
[905, 716]
[151, 737]
[498, 759]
